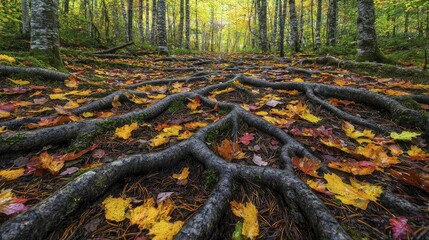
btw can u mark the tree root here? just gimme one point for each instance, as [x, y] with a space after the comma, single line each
[305, 204]
[31, 72]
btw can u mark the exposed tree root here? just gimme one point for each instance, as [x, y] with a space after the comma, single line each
[44, 73]
[306, 206]
[114, 49]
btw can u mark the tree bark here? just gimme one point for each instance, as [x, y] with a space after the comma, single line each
[283, 10]
[196, 26]
[181, 22]
[25, 18]
[367, 38]
[147, 21]
[45, 39]
[293, 26]
[332, 23]
[141, 27]
[124, 16]
[116, 27]
[130, 21]
[318, 24]
[187, 25]
[162, 31]
[154, 34]
[263, 25]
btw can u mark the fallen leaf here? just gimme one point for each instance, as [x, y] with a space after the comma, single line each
[161, 197]
[9, 204]
[404, 136]
[229, 150]
[355, 168]
[69, 171]
[98, 153]
[400, 228]
[10, 175]
[47, 162]
[116, 208]
[164, 230]
[307, 165]
[20, 82]
[356, 194]
[249, 213]
[125, 131]
[194, 103]
[258, 160]
[4, 114]
[246, 138]
[319, 186]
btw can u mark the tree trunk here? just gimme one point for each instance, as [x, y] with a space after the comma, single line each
[66, 6]
[106, 21]
[293, 26]
[116, 19]
[162, 31]
[196, 26]
[45, 39]
[147, 21]
[312, 22]
[124, 16]
[276, 20]
[263, 25]
[318, 24]
[25, 18]
[154, 22]
[130, 21]
[187, 25]
[367, 38]
[283, 11]
[141, 28]
[332, 23]
[181, 22]
[407, 21]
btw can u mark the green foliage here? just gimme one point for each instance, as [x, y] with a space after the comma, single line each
[9, 15]
[210, 177]
[176, 106]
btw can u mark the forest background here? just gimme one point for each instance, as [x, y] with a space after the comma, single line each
[324, 27]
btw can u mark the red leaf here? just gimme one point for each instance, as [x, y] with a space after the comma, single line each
[247, 138]
[8, 107]
[400, 227]
[73, 156]
[307, 165]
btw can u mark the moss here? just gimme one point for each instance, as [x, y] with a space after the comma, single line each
[409, 103]
[210, 178]
[84, 140]
[176, 106]
[13, 139]
[52, 58]
[354, 233]
[212, 136]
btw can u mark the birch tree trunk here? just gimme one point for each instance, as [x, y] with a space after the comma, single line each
[187, 25]
[25, 18]
[367, 38]
[162, 31]
[293, 26]
[332, 23]
[318, 24]
[45, 39]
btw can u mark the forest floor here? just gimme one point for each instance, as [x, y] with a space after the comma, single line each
[313, 148]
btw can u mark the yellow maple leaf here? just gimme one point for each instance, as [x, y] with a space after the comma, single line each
[80, 93]
[159, 140]
[194, 125]
[116, 208]
[58, 96]
[71, 105]
[184, 135]
[3, 129]
[172, 131]
[309, 117]
[360, 137]
[72, 82]
[249, 213]
[357, 194]
[12, 174]
[164, 230]
[4, 114]
[20, 82]
[135, 99]
[87, 114]
[6, 58]
[262, 113]
[44, 109]
[124, 132]
[417, 152]
[146, 215]
[377, 155]
[182, 175]
[404, 136]
[49, 163]
[193, 104]
[159, 96]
